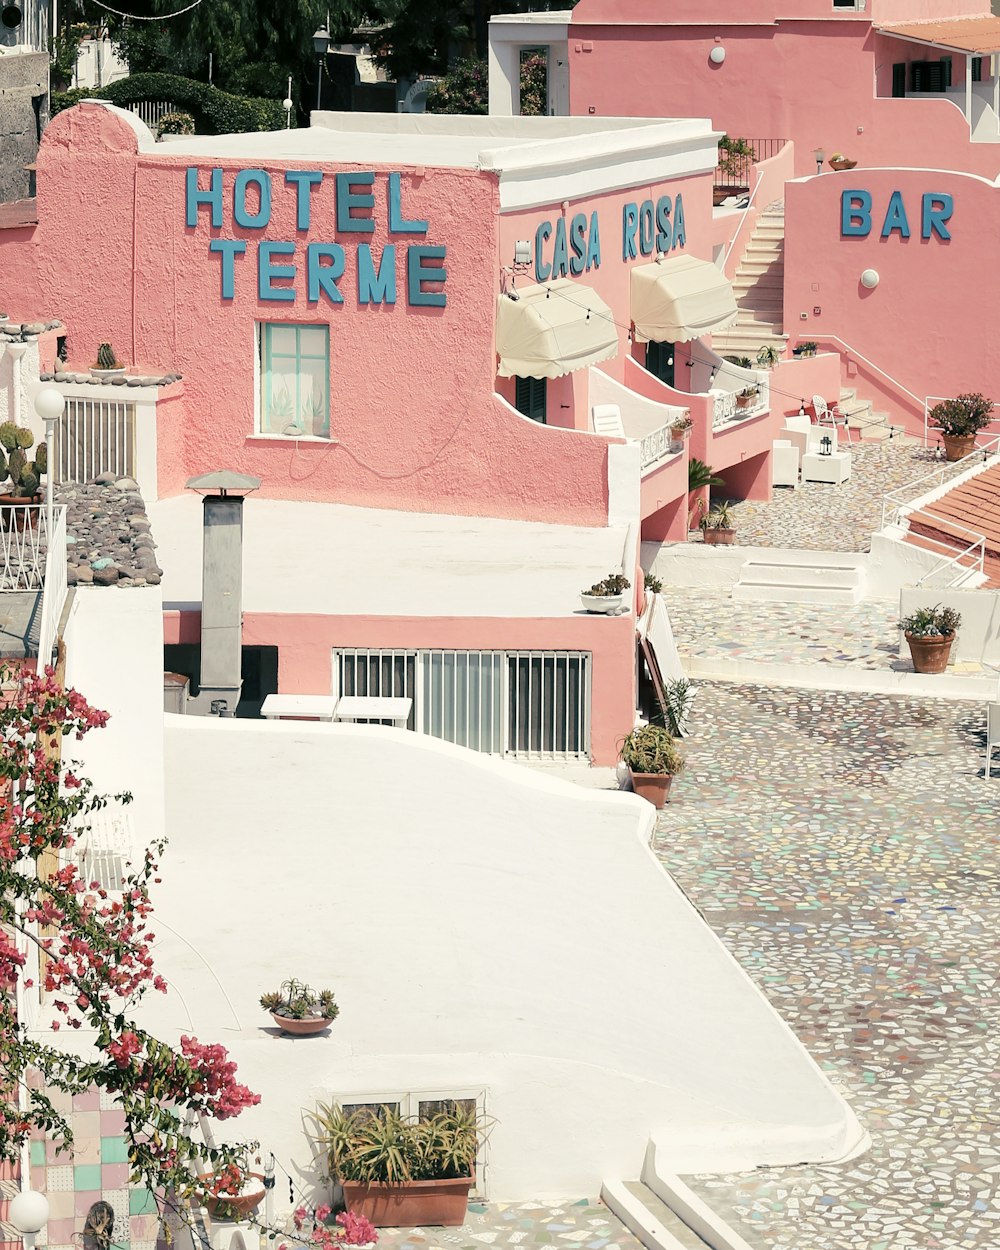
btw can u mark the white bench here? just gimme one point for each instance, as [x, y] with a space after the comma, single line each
[374, 707]
[300, 706]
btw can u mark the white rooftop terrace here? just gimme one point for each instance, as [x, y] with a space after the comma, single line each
[333, 559]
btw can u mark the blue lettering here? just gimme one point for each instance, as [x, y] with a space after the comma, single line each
[895, 217]
[228, 249]
[321, 277]
[935, 211]
[680, 235]
[646, 228]
[303, 180]
[397, 224]
[348, 199]
[594, 244]
[418, 273]
[268, 274]
[855, 214]
[664, 240]
[630, 224]
[194, 197]
[542, 270]
[262, 181]
[377, 288]
[578, 242]
[560, 253]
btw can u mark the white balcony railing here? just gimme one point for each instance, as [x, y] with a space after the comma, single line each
[655, 446]
[55, 589]
[726, 409]
[30, 562]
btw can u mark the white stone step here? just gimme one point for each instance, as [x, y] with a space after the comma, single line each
[649, 1218]
[694, 1211]
[798, 581]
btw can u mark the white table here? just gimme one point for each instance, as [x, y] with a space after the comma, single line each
[833, 468]
[374, 707]
[313, 706]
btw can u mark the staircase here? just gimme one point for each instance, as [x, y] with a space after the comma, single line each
[795, 578]
[759, 290]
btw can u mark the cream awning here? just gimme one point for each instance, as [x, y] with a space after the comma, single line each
[552, 329]
[680, 299]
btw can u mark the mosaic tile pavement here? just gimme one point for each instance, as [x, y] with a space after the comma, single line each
[582, 1225]
[847, 851]
[819, 516]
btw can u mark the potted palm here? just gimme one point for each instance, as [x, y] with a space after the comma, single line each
[653, 761]
[701, 477]
[403, 1173]
[299, 1009]
[768, 357]
[606, 596]
[24, 475]
[929, 633]
[960, 420]
[718, 525]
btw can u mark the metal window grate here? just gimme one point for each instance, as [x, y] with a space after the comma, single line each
[95, 436]
[548, 704]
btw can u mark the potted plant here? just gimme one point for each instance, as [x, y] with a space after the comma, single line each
[929, 633]
[681, 427]
[701, 477]
[606, 596]
[960, 420]
[398, 1172]
[768, 357]
[805, 349]
[839, 161]
[650, 586]
[107, 365]
[232, 1193]
[299, 1009]
[653, 761]
[349, 1229]
[746, 397]
[718, 526]
[741, 362]
[24, 476]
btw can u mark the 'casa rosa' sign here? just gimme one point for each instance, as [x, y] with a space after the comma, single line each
[574, 247]
[316, 268]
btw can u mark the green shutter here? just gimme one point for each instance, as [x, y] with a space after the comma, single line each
[530, 397]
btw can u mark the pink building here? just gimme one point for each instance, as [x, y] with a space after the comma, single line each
[423, 335]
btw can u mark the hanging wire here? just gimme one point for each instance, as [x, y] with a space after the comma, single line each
[135, 17]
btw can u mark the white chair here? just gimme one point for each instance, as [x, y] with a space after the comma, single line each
[607, 420]
[784, 463]
[992, 733]
[835, 416]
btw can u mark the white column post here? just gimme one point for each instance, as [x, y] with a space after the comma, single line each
[968, 90]
[995, 71]
[16, 350]
[505, 77]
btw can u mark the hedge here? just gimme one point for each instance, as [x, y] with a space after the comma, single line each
[215, 112]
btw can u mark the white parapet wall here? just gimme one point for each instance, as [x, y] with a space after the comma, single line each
[486, 929]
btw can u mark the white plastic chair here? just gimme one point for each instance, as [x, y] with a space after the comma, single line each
[608, 420]
[784, 463]
[835, 416]
[992, 733]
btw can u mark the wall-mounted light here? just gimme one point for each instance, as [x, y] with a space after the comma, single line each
[869, 279]
[522, 252]
[819, 155]
[717, 55]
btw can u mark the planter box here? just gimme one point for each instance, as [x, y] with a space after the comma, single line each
[930, 654]
[719, 537]
[608, 604]
[412, 1204]
[653, 787]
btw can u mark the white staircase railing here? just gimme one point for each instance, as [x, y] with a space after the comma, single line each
[22, 547]
[54, 590]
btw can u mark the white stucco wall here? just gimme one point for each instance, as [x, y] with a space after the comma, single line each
[484, 928]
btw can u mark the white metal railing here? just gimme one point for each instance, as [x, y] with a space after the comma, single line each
[95, 436]
[726, 409]
[962, 560]
[833, 338]
[54, 590]
[654, 447]
[152, 110]
[896, 502]
[22, 547]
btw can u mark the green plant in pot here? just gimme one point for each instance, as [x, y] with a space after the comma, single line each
[741, 362]
[960, 420]
[768, 357]
[653, 761]
[701, 477]
[746, 397]
[607, 595]
[930, 633]
[400, 1172]
[23, 475]
[805, 349]
[299, 1009]
[718, 525]
[107, 364]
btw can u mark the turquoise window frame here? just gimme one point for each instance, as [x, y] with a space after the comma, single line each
[304, 351]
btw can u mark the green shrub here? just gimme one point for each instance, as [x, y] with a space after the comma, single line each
[175, 124]
[651, 749]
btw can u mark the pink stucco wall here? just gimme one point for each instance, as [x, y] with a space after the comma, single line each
[810, 80]
[306, 644]
[929, 323]
[413, 415]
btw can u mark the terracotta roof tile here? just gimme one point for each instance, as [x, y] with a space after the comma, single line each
[964, 34]
[975, 505]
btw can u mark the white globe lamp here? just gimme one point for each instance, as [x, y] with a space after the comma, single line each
[717, 55]
[49, 404]
[869, 279]
[29, 1213]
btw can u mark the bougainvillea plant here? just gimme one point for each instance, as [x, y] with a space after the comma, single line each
[94, 949]
[349, 1230]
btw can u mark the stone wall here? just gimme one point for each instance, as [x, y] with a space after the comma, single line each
[24, 108]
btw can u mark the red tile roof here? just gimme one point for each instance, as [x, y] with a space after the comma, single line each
[978, 34]
[975, 505]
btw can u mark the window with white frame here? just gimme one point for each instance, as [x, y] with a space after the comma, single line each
[294, 380]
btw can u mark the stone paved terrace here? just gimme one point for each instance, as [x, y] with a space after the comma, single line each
[819, 516]
[583, 1224]
[847, 850]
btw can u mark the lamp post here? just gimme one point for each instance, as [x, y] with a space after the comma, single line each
[29, 1213]
[820, 157]
[321, 42]
[49, 404]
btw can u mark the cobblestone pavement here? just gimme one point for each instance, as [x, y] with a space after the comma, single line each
[819, 516]
[847, 851]
[582, 1225]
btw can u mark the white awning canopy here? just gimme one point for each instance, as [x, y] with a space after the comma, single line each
[680, 299]
[552, 329]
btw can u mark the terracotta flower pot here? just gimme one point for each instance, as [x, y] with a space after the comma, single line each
[411, 1204]
[842, 164]
[653, 787]
[719, 537]
[233, 1206]
[301, 1028]
[957, 446]
[929, 654]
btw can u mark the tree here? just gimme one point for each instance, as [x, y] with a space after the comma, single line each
[94, 951]
[466, 87]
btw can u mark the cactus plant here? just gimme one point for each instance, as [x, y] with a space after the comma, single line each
[106, 358]
[23, 474]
